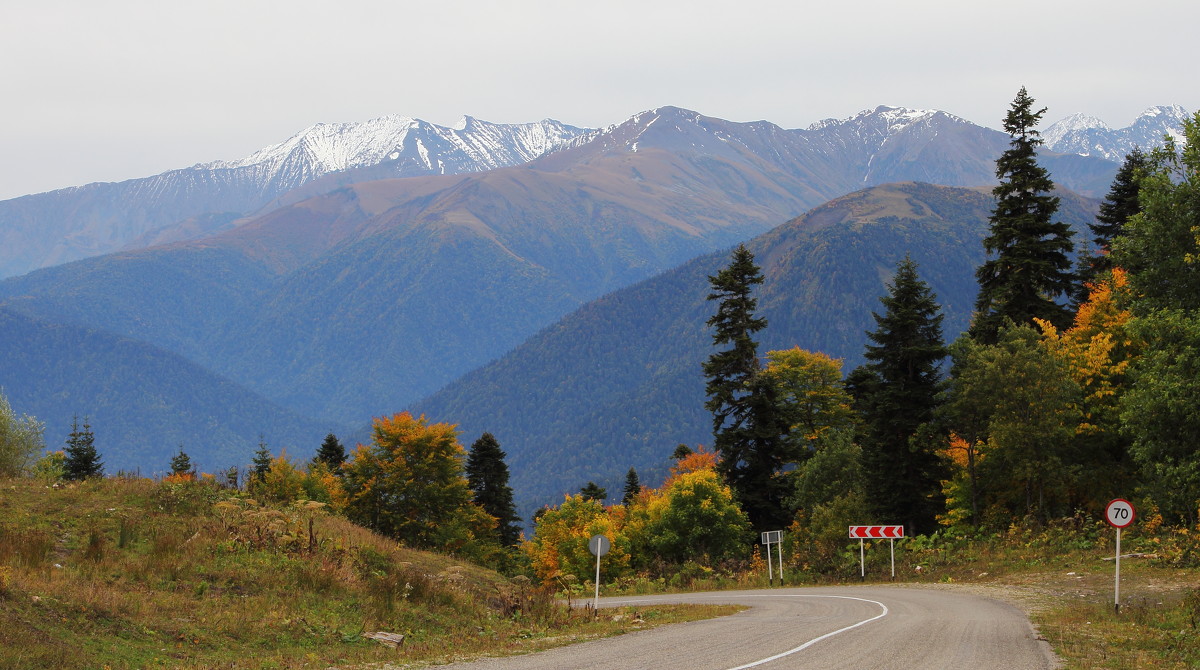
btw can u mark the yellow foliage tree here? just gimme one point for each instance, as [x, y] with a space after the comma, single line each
[409, 484]
[560, 542]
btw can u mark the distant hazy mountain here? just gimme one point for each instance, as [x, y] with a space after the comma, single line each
[143, 403]
[68, 224]
[1088, 136]
[617, 383]
[350, 298]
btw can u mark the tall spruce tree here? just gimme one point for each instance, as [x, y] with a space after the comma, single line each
[1028, 267]
[487, 476]
[632, 488]
[81, 458]
[331, 453]
[897, 394]
[1121, 203]
[1119, 206]
[747, 427]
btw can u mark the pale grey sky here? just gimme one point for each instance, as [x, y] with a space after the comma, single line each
[105, 91]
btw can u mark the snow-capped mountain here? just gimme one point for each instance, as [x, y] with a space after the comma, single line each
[68, 224]
[1089, 136]
[412, 147]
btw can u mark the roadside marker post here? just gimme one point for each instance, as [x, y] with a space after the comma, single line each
[598, 545]
[863, 533]
[768, 538]
[1119, 514]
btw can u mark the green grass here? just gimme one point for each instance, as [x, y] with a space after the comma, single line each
[141, 574]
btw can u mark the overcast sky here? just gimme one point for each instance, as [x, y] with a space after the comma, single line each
[105, 91]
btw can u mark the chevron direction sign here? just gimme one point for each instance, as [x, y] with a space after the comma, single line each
[876, 532]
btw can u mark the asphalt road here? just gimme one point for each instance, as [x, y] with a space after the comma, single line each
[844, 627]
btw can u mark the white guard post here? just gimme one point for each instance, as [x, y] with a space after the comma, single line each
[768, 538]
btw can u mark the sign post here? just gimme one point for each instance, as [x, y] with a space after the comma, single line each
[863, 533]
[1119, 514]
[598, 545]
[768, 538]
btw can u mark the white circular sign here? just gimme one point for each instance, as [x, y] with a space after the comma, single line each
[599, 545]
[1119, 513]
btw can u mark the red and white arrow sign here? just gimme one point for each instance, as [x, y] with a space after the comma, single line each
[873, 532]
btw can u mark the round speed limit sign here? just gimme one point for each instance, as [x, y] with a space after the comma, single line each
[1119, 513]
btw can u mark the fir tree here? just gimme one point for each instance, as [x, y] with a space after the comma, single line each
[81, 458]
[632, 488]
[1119, 206]
[261, 464]
[747, 428]
[181, 464]
[487, 476]
[1028, 267]
[593, 491]
[902, 474]
[331, 453]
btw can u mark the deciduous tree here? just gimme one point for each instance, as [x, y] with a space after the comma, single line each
[20, 440]
[408, 484]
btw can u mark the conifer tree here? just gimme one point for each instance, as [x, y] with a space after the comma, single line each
[487, 476]
[181, 464]
[261, 464]
[81, 458]
[593, 491]
[904, 354]
[331, 453]
[632, 488]
[1028, 267]
[747, 428]
[1119, 206]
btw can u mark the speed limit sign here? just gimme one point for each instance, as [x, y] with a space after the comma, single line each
[1119, 513]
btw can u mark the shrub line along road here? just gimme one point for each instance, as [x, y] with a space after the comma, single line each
[837, 627]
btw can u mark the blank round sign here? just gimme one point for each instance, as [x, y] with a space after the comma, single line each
[1119, 513]
[599, 545]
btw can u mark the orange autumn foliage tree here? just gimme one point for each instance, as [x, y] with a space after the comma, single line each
[1098, 350]
[409, 484]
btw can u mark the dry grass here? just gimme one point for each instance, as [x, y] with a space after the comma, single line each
[143, 574]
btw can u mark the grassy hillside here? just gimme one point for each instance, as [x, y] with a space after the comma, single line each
[142, 574]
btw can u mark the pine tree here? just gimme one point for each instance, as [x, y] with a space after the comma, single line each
[1028, 267]
[487, 476]
[82, 459]
[904, 354]
[331, 453]
[632, 488]
[181, 464]
[593, 491]
[747, 428]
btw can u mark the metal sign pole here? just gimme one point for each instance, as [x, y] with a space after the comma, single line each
[862, 563]
[770, 568]
[596, 602]
[780, 552]
[892, 545]
[1117, 600]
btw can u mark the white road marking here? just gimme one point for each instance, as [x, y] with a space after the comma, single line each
[815, 640]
